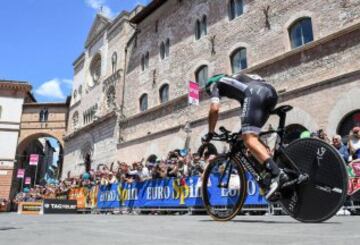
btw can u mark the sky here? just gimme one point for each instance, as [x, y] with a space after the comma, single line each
[40, 39]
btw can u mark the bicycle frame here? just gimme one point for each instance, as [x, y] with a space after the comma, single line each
[238, 152]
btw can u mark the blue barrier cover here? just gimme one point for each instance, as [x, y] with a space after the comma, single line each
[171, 192]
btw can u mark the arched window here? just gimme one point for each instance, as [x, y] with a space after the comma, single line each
[41, 116]
[110, 97]
[167, 47]
[164, 93]
[144, 102]
[114, 61]
[95, 68]
[142, 62]
[236, 8]
[301, 32]
[202, 75]
[350, 121]
[204, 26]
[147, 58]
[238, 60]
[197, 29]
[75, 94]
[44, 115]
[75, 120]
[162, 50]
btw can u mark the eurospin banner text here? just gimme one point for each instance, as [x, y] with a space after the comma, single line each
[171, 192]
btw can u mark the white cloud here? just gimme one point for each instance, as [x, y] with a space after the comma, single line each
[52, 89]
[68, 82]
[100, 5]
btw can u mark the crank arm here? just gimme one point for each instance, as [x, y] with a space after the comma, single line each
[302, 178]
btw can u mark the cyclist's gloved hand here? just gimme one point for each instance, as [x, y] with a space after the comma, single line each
[207, 137]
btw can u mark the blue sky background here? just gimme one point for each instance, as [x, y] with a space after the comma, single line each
[40, 39]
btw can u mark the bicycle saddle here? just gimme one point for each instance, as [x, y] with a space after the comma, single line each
[281, 110]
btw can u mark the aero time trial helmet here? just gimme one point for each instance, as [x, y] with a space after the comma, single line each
[212, 80]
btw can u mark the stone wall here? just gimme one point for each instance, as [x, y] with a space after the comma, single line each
[99, 141]
[177, 22]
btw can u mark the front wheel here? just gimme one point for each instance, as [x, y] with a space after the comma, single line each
[322, 195]
[223, 188]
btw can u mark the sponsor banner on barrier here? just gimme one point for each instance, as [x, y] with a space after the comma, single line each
[80, 194]
[33, 208]
[170, 193]
[56, 206]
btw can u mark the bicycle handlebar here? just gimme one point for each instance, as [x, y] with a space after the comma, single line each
[228, 136]
[225, 136]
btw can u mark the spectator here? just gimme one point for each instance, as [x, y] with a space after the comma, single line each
[143, 172]
[173, 168]
[354, 143]
[323, 136]
[341, 148]
[112, 178]
[197, 165]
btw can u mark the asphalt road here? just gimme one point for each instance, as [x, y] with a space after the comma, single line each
[169, 230]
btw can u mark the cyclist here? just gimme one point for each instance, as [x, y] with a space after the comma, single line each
[258, 99]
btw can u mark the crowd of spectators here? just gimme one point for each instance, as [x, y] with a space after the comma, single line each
[178, 163]
[349, 150]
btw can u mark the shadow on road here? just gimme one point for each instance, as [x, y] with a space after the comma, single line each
[269, 222]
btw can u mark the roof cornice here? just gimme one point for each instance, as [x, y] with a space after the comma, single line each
[15, 85]
[148, 10]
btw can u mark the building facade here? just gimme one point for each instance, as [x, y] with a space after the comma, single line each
[92, 134]
[308, 50]
[13, 94]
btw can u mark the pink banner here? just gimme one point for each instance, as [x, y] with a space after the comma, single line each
[27, 181]
[20, 173]
[194, 93]
[34, 159]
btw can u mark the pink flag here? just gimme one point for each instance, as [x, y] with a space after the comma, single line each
[20, 173]
[27, 181]
[194, 93]
[34, 159]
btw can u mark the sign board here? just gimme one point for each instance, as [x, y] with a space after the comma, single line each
[194, 93]
[34, 160]
[20, 173]
[56, 206]
[33, 208]
[27, 181]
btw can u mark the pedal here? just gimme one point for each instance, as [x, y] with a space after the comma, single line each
[275, 197]
[302, 178]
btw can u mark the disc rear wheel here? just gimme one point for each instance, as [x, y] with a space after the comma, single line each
[323, 194]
